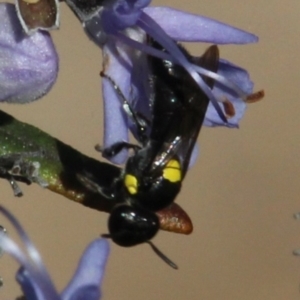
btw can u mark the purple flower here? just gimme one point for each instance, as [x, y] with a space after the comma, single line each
[240, 78]
[36, 283]
[120, 27]
[28, 64]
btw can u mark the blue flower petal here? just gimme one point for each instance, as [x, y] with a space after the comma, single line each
[89, 274]
[118, 67]
[28, 64]
[194, 155]
[241, 78]
[28, 285]
[34, 279]
[164, 24]
[187, 27]
[121, 14]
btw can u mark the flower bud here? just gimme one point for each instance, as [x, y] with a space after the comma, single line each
[28, 64]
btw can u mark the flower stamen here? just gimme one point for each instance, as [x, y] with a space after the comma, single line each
[255, 97]
[228, 108]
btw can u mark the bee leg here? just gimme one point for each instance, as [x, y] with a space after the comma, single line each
[93, 186]
[141, 123]
[30, 171]
[116, 148]
[15, 167]
[13, 183]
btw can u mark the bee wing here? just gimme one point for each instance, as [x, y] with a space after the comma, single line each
[179, 108]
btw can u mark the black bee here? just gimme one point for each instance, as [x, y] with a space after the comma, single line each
[153, 175]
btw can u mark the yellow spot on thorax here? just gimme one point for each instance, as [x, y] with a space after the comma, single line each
[172, 171]
[130, 182]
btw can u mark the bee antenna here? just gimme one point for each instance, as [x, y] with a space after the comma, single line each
[167, 260]
[106, 235]
[162, 256]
